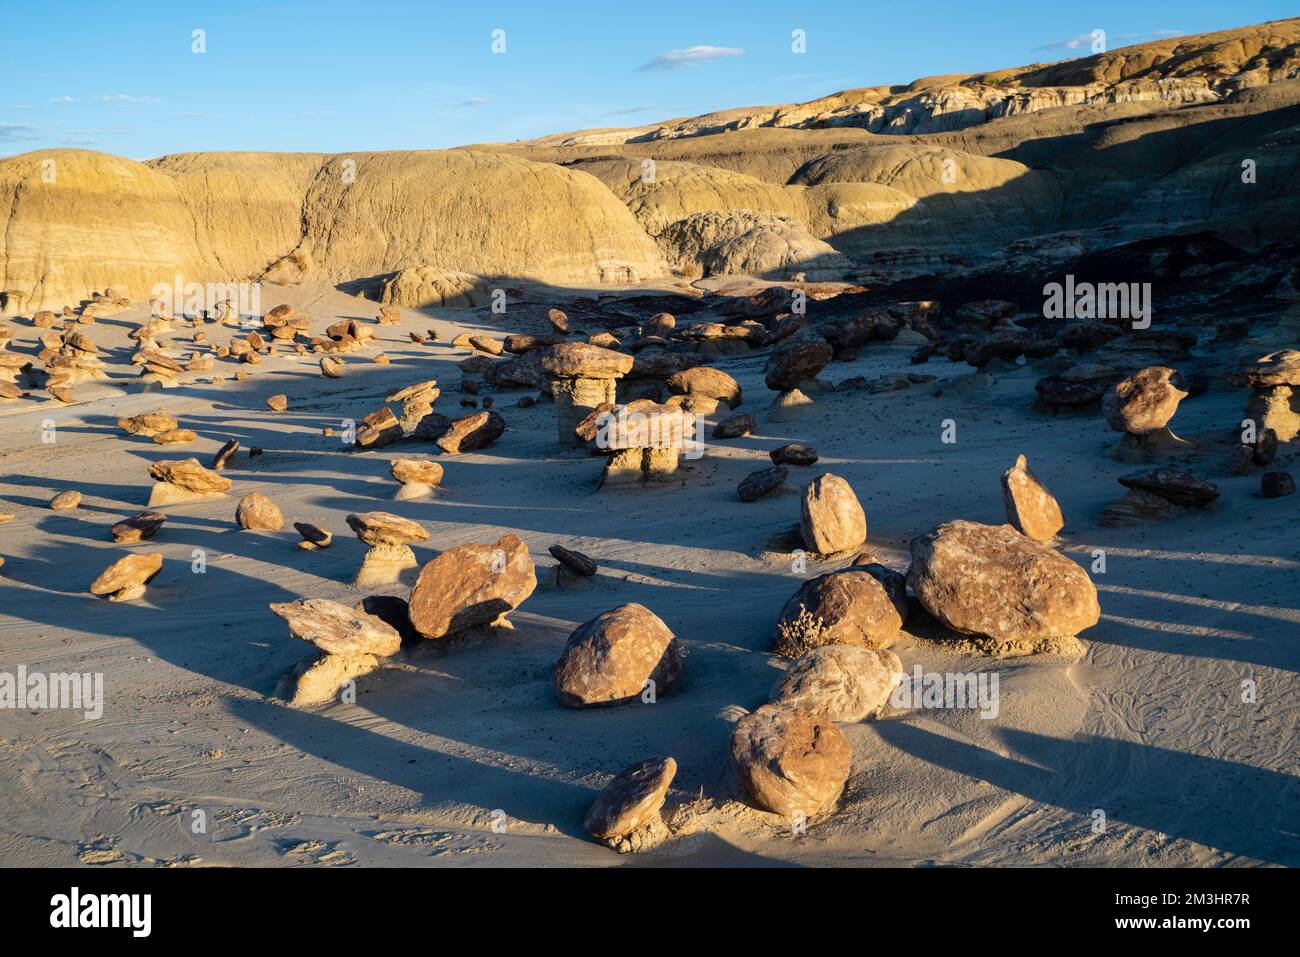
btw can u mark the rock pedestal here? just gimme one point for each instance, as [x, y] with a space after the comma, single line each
[417, 402]
[580, 377]
[390, 553]
[647, 440]
[1274, 379]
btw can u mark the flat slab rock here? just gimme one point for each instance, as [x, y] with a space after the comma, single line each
[337, 629]
[610, 659]
[385, 528]
[580, 360]
[138, 527]
[574, 561]
[992, 581]
[631, 800]
[794, 454]
[189, 475]
[127, 573]
[790, 762]
[839, 682]
[1181, 488]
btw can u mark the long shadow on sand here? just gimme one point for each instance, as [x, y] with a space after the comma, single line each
[1232, 807]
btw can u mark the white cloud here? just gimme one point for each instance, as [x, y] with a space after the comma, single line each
[691, 56]
[476, 101]
[60, 99]
[126, 98]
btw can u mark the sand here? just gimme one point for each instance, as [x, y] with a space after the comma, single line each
[462, 756]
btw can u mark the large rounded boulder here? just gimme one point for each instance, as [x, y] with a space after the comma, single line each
[1144, 402]
[839, 682]
[863, 606]
[471, 585]
[613, 658]
[990, 580]
[789, 761]
[831, 518]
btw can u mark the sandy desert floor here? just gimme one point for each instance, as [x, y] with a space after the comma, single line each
[1145, 722]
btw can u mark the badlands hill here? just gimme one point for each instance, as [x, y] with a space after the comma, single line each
[938, 175]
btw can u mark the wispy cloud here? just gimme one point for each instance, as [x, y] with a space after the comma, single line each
[691, 56]
[60, 99]
[13, 132]
[1084, 40]
[126, 98]
[629, 112]
[475, 101]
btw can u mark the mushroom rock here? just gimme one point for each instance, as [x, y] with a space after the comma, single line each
[389, 537]
[416, 478]
[580, 377]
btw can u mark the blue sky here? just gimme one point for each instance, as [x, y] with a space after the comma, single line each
[390, 74]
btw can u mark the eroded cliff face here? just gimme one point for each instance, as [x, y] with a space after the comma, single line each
[1205, 68]
[75, 221]
[1189, 134]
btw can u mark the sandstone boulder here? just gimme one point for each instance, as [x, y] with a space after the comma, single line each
[631, 800]
[612, 659]
[706, 383]
[790, 762]
[1031, 509]
[839, 682]
[864, 606]
[831, 518]
[257, 512]
[470, 586]
[763, 482]
[378, 429]
[1144, 402]
[990, 580]
[797, 363]
[472, 432]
